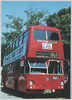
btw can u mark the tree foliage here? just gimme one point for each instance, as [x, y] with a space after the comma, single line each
[16, 26]
[62, 20]
[34, 18]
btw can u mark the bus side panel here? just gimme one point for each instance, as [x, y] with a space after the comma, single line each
[4, 79]
[22, 83]
[27, 46]
[29, 42]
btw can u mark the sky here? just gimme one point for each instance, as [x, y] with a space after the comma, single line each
[16, 8]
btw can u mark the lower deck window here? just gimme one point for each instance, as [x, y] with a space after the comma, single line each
[55, 67]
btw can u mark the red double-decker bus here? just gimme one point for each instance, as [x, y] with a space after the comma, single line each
[34, 61]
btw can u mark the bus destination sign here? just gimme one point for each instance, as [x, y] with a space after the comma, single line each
[54, 54]
[47, 54]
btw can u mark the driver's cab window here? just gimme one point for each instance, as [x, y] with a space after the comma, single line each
[55, 67]
[26, 67]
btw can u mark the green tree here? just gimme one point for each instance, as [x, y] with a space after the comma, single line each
[3, 46]
[64, 26]
[16, 26]
[62, 20]
[34, 18]
[52, 20]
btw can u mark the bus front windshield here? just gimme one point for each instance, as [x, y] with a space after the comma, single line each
[38, 67]
[45, 35]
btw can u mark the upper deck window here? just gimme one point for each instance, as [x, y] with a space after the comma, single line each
[25, 36]
[16, 43]
[20, 40]
[45, 35]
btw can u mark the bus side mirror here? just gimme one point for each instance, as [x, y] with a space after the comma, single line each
[22, 66]
[22, 63]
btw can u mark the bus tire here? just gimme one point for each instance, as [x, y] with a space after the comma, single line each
[16, 85]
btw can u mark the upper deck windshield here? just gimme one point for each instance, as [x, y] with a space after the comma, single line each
[45, 35]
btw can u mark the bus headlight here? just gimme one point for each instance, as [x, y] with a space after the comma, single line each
[61, 83]
[30, 82]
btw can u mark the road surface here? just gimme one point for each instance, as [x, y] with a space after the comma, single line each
[11, 94]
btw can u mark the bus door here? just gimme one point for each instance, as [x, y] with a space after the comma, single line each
[55, 67]
[56, 73]
[23, 71]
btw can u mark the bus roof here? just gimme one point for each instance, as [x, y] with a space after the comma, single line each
[35, 27]
[44, 27]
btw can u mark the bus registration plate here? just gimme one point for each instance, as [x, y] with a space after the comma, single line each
[47, 91]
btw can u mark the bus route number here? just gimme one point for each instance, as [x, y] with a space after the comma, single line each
[54, 54]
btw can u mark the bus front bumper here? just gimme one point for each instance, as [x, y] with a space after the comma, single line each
[44, 91]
